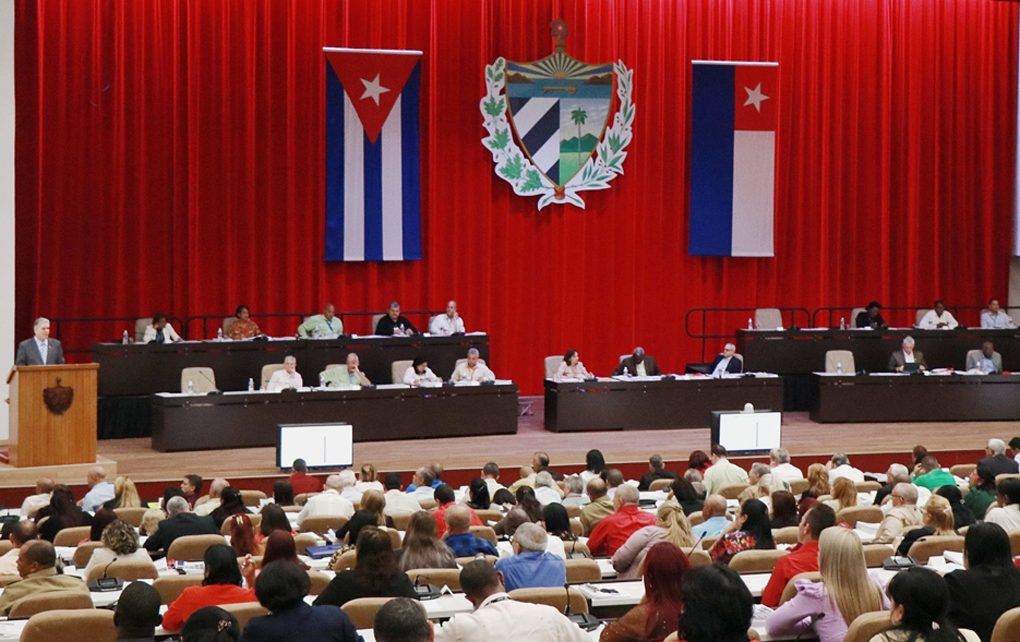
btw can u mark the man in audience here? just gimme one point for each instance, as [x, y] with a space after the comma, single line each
[982, 493]
[939, 318]
[443, 325]
[803, 557]
[423, 484]
[137, 613]
[394, 324]
[216, 488]
[839, 466]
[490, 473]
[639, 364]
[179, 522]
[43, 491]
[100, 490]
[714, 514]
[988, 361]
[446, 500]
[656, 470]
[527, 478]
[614, 479]
[1007, 513]
[531, 566]
[598, 508]
[540, 463]
[906, 355]
[898, 474]
[725, 362]
[933, 476]
[397, 501]
[23, 531]
[995, 318]
[782, 469]
[611, 533]
[459, 537]
[191, 488]
[37, 567]
[402, 620]
[326, 325]
[575, 491]
[997, 461]
[349, 486]
[301, 481]
[472, 369]
[40, 350]
[722, 473]
[328, 502]
[871, 317]
[903, 516]
[286, 378]
[546, 490]
[349, 374]
[497, 617]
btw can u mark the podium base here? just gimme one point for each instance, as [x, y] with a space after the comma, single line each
[71, 474]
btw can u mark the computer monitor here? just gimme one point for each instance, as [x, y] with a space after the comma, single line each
[747, 432]
[328, 445]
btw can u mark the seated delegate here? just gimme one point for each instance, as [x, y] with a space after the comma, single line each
[906, 355]
[472, 369]
[938, 318]
[321, 326]
[394, 324]
[726, 362]
[288, 377]
[638, 363]
[242, 327]
[572, 368]
[419, 373]
[160, 331]
[871, 317]
[994, 318]
[449, 323]
[987, 361]
[349, 374]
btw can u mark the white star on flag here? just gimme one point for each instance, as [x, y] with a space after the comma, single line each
[754, 97]
[373, 89]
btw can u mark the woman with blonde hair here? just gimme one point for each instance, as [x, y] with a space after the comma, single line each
[125, 495]
[671, 526]
[120, 542]
[818, 479]
[938, 520]
[827, 608]
[844, 494]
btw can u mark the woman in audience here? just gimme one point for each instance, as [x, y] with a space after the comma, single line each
[242, 536]
[684, 493]
[503, 498]
[844, 494]
[528, 509]
[784, 510]
[420, 373]
[125, 495]
[242, 327]
[283, 493]
[120, 542]
[211, 624]
[594, 464]
[825, 609]
[61, 513]
[698, 461]
[818, 479]
[749, 530]
[368, 479]
[557, 525]
[150, 521]
[938, 520]
[717, 605]
[989, 586]
[961, 514]
[100, 520]
[575, 491]
[274, 518]
[280, 546]
[571, 367]
[230, 504]
[806, 502]
[920, 603]
[656, 615]
[671, 526]
[478, 495]
[422, 547]
[222, 585]
[697, 480]
[375, 574]
[373, 503]
[982, 492]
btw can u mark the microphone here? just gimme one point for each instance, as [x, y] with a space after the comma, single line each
[695, 547]
[106, 569]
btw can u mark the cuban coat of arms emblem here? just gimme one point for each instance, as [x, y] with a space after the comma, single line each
[550, 128]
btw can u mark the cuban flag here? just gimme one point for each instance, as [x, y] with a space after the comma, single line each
[373, 197]
[733, 158]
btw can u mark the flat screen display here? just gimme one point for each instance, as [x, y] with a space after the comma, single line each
[747, 432]
[320, 445]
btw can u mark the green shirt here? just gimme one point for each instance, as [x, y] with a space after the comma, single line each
[336, 377]
[935, 479]
[317, 326]
[978, 500]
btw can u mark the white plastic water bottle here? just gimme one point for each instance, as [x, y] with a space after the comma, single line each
[842, 323]
[322, 380]
[191, 387]
[401, 329]
[124, 338]
[626, 373]
[750, 324]
[251, 385]
[219, 334]
[839, 367]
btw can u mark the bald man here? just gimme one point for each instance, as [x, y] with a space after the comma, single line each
[444, 325]
[100, 490]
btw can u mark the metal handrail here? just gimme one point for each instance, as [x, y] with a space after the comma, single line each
[832, 321]
[704, 313]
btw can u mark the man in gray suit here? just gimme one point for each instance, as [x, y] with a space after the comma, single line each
[41, 349]
[987, 361]
[899, 359]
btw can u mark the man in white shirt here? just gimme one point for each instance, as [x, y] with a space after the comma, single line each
[328, 502]
[216, 488]
[397, 501]
[100, 490]
[289, 377]
[839, 466]
[903, 516]
[1007, 513]
[43, 492]
[938, 319]
[546, 490]
[160, 331]
[490, 473]
[348, 486]
[782, 469]
[994, 318]
[423, 481]
[497, 617]
[473, 369]
[446, 324]
[722, 473]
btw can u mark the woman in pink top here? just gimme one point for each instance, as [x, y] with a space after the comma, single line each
[571, 367]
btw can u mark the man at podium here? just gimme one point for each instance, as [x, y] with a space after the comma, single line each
[40, 350]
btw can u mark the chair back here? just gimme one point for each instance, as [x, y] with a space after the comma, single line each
[875, 554]
[485, 532]
[464, 561]
[489, 515]
[94, 625]
[755, 561]
[695, 518]
[319, 580]
[439, 576]
[583, 570]
[836, 358]
[362, 610]
[319, 524]
[398, 368]
[733, 490]
[170, 587]
[345, 561]
[395, 541]
[132, 515]
[576, 527]
[302, 498]
[256, 522]
[867, 486]
[50, 601]
[202, 379]
[962, 470]
[798, 486]
[1014, 542]
[1007, 628]
[853, 514]
[375, 322]
[935, 545]
[852, 321]
[552, 365]
[5, 546]
[71, 536]
[245, 612]
[576, 547]
[83, 553]
[267, 373]
[788, 535]
[192, 548]
[768, 318]
[699, 557]
[972, 354]
[303, 540]
[428, 504]
[140, 324]
[127, 570]
[708, 542]
[918, 315]
[867, 625]
[401, 520]
[573, 510]
[554, 597]
[227, 322]
[791, 587]
[659, 484]
[252, 498]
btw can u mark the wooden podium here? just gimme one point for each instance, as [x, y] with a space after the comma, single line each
[53, 414]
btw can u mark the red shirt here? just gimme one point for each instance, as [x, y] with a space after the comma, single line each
[611, 533]
[197, 597]
[305, 483]
[803, 558]
[439, 515]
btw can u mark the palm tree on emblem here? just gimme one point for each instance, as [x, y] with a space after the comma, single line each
[579, 116]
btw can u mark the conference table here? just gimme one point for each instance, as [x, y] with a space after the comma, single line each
[640, 403]
[393, 411]
[929, 397]
[130, 373]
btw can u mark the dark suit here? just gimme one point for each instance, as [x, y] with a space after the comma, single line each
[977, 597]
[179, 526]
[865, 321]
[1000, 465]
[386, 325]
[649, 477]
[28, 353]
[735, 366]
[898, 360]
[303, 622]
[651, 368]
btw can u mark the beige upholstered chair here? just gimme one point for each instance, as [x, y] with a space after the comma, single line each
[836, 358]
[577, 547]
[660, 484]
[170, 587]
[552, 365]
[427, 504]
[867, 626]
[252, 498]
[192, 548]
[375, 322]
[867, 486]
[699, 558]
[695, 518]
[962, 470]
[788, 535]
[852, 321]
[920, 315]
[489, 515]
[732, 491]
[576, 527]
[132, 515]
[401, 520]
[791, 587]
[227, 322]
[798, 486]
[83, 553]
[245, 612]
[398, 368]
[755, 561]
[935, 545]
[583, 570]
[573, 511]
[267, 373]
[485, 532]
[853, 514]
[464, 561]
[875, 554]
[5, 546]
[127, 570]
[362, 610]
[71, 536]
[554, 597]
[319, 524]
[1007, 628]
[93, 625]
[768, 318]
[319, 580]
[708, 542]
[140, 324]
[202, 379]
[439, 576]
[303, 540]
[51, 601]
[345, 561]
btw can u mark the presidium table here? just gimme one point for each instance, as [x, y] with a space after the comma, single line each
[638, 403]
[394, 411]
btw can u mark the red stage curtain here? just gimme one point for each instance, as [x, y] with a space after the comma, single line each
[170, 154]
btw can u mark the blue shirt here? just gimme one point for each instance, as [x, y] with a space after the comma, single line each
[530, 569]
[413, 487]
[101, 493]
[710, 527]
[987, 366]
[467, 545]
